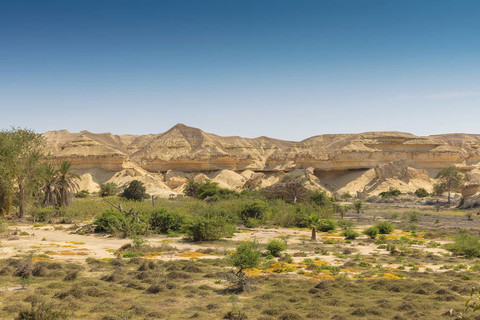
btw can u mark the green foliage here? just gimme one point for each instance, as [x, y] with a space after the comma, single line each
[390, 193]
[117, 223]
[206, 190]
[320, 198]
[371, 232]
[246, 255]
[108, 189]
[385, 227]
[40, 310]
[253, 209]
[345, 224]
[275, 247]
[163, 221]
[82, 194]
[450, 179]
[252, 223]
[358, 206]
[208, 226]
[135, 191]
[350, 234]
[421, 193]
[21, 157]
[413, 216]
[465, 244]
[326, 225]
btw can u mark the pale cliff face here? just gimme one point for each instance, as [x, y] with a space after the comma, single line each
[190, 151]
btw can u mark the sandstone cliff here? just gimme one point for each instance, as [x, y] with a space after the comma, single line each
[367, 162]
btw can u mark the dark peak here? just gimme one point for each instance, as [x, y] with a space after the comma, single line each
[184, 129]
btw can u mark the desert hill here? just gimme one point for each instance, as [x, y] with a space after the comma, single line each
[369, 162]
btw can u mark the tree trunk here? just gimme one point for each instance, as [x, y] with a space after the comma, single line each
[21, 200]
[314, 233]
[448, 196]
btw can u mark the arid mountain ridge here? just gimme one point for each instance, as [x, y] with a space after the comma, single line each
[366, 162]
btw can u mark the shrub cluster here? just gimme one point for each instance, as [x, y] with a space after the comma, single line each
[421, 193]
[385, 227]
[390, 193]
[466, 244]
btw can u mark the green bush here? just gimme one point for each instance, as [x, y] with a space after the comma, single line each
[117, 223]
[135, 191]
[413, 216]
[255, 209]
[163, 221]
[385, 227]
[206, 190]
[344, 224]
[275, 247]
[421, 193]
[371, 232]
[326, 225]
[390, 193]
[205, 228]
[246, 255]
[82, 194]
[252, 223]
[465, 244]
[320, 198]
[350, 234]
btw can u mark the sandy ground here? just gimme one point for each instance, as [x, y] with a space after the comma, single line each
[62, 245]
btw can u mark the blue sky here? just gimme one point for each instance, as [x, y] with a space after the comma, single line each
[286, 69]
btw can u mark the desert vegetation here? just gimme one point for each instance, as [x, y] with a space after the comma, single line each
[287, 252]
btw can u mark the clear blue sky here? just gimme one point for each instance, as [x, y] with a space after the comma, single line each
[286, 69]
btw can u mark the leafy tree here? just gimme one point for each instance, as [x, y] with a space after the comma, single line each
[21, 155]
[246, 256]
[135, 191]
[450, 179]
[108, 189]
[358, 205]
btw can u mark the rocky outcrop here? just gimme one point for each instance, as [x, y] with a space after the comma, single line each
[367, 162]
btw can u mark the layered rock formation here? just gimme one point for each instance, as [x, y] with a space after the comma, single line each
[368, 162]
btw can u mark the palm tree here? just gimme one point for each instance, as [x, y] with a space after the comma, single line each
[66, 184]
[49, 189]
[313, 222]
[108, 189]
